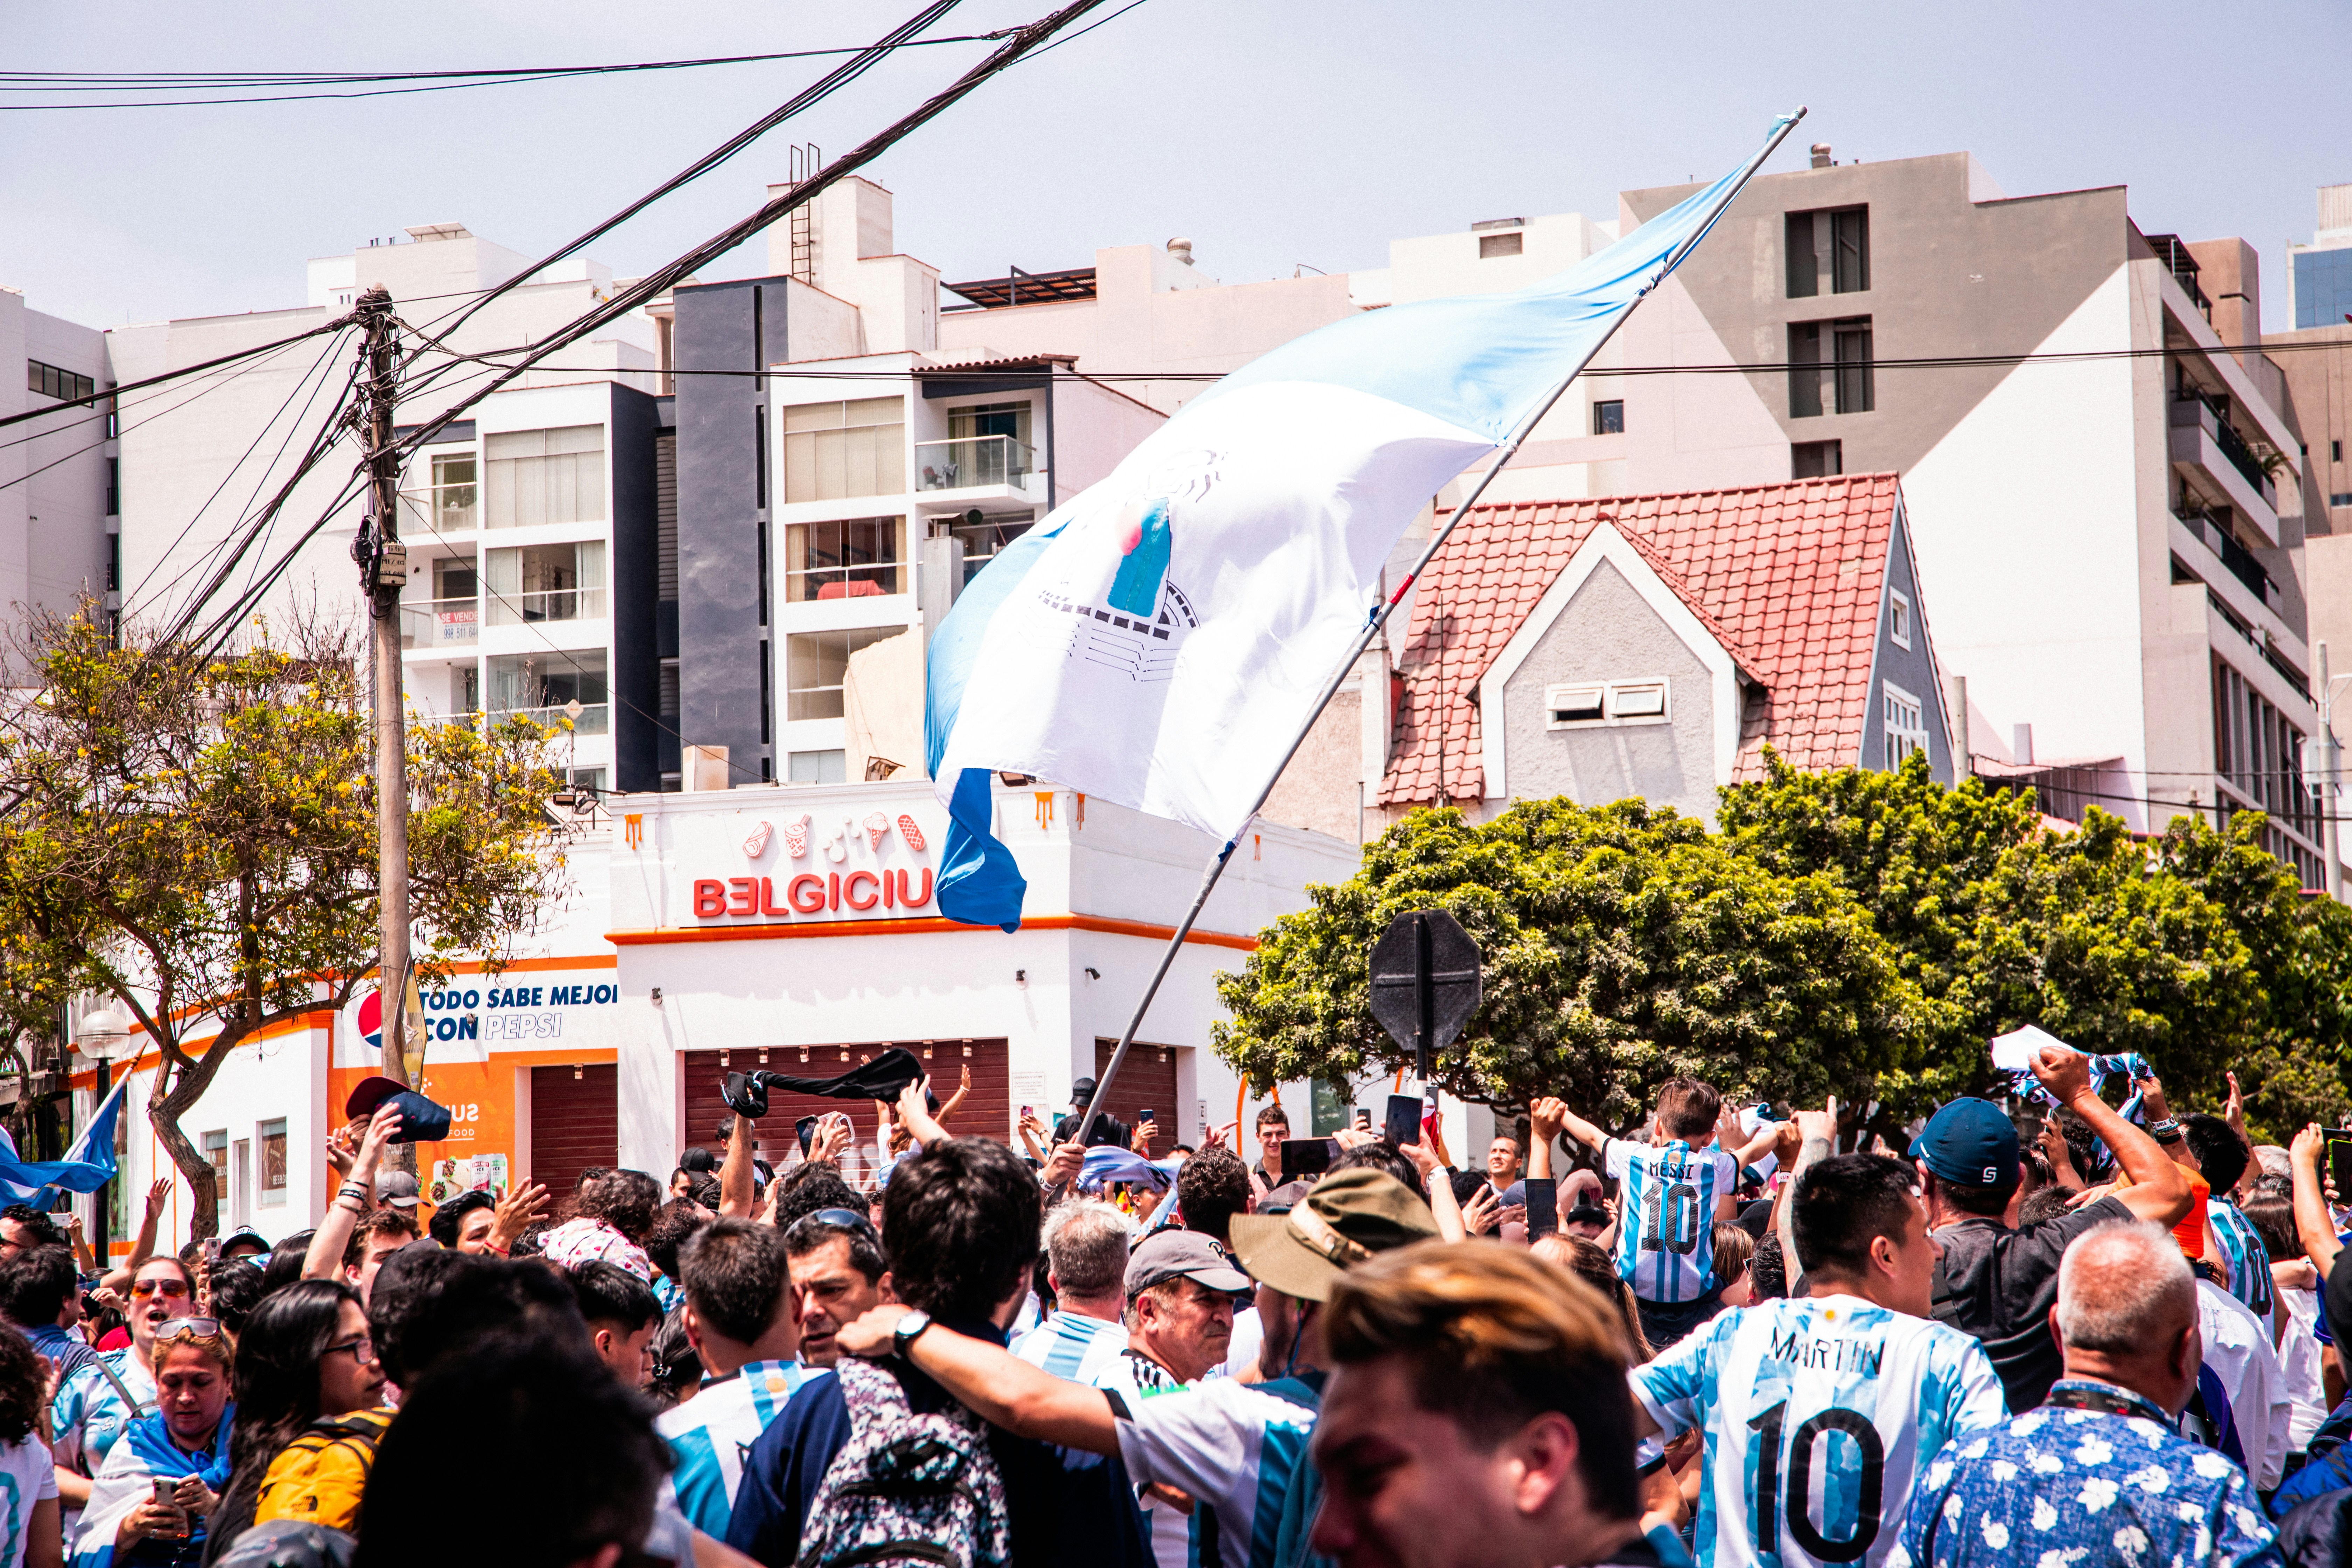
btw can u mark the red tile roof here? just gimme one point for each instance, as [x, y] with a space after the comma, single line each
[1787, 577]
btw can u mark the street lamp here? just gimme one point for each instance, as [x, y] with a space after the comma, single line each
[104, 1035]
[2322, 757]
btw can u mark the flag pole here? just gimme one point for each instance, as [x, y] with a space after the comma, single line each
[1378, 619]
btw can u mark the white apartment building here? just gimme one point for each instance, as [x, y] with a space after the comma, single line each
[58, 492]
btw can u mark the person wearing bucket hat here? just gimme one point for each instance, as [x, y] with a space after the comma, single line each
[1998, 1283]
[1254, 1514]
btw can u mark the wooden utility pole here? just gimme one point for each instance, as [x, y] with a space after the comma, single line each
[383, 572]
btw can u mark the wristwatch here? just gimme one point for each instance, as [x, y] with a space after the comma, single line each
[909, 1327]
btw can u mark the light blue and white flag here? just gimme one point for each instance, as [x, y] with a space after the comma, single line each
[1160, 639]
[88, 1165]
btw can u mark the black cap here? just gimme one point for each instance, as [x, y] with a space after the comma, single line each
[1081, 1092]
[421, 1120]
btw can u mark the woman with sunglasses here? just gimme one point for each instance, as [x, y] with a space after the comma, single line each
[97, 1404]
[162, 1479]
[309, 1400]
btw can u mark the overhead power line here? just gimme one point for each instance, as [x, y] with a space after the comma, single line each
[306, 86]
[1020, 43]
[102, 394]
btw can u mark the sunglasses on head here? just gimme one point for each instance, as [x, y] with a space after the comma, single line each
[840, 1219]
[200, 1328]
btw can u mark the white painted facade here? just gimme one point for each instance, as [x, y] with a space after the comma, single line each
[57, 497]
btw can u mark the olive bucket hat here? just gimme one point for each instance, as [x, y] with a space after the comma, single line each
[1346, 1219]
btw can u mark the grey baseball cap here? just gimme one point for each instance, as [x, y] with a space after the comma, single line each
[396, 1189]
[1169, 1254]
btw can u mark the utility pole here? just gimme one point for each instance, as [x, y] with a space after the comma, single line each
[383, 572]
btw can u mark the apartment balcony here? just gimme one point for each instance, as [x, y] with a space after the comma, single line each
[2215, 458]
[2236, 560]
[976, 467]
[439, 511]
[546, 604]
[436, 625]
[585, 718]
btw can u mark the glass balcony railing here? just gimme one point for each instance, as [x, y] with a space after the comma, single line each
[972, 461]
[439, 623]
[2197, 412]
[439, 509]
[548, 605]
[594, 717]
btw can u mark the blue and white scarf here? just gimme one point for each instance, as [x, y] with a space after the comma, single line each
[2013, 1052]
[144, 1455]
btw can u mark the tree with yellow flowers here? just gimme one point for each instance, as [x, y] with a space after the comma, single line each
[194, 836]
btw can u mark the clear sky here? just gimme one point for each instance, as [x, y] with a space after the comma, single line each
[1272, 133]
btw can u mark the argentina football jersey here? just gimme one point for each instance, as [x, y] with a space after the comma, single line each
[2243, 1258]
[1819, 1414]
[1665, 1239]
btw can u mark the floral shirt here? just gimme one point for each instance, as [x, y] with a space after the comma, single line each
[2067, 1484]
[579, 1241]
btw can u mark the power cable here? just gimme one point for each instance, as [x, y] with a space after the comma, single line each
[94, 398]
[432, 82]
[824, 87]
[1021, 44]
[317, 366]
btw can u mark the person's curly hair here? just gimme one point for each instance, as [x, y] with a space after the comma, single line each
[625, 1200]
[21, 1382]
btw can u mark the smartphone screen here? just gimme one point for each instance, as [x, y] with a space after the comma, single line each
[1403, 1119]
[806, 1128]
[1305, 1157]
[2338, 1143]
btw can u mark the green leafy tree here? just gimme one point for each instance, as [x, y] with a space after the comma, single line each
[1620, 948]
[196, 838]
[2089, 934]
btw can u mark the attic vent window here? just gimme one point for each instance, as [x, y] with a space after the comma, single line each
[1494, 245]
[1589, 703]
[1899, 618]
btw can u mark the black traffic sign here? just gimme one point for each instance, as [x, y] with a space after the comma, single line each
[1424, 983]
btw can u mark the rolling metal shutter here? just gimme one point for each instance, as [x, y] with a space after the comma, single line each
[575, 1123]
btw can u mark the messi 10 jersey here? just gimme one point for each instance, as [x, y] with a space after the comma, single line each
[1665, 1240]
[1819, 1414]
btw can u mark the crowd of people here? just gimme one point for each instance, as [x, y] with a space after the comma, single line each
[1729, 1338]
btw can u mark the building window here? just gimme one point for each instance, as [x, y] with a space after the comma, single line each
[273, 1162]
[216, 1150]
[1835, 240]
[1899, 617]
[1608, 418]
[983, 539]
[845, 560]
[665, 702]
[50, 382]
[819, 767]
[546, 582]
[2340, 498]
[113, 487]
[1493, 244]
[1816, 459]
[2323, 288]
[2258, 753]
[2335, 451]
[987, 444]
[1906, 730]
[545, 685]
[837, 450]
[1804, 370]
[546, 476]
[1856, 391]
[450, 504]
[816, 665]
[1582, 704]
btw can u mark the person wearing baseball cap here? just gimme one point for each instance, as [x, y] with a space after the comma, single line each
[397, 1190]
[1998, 1283]
[1181, 1291]
[1254, 1514]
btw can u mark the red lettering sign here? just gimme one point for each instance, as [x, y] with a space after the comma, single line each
[767, 905]
[745, 896]
[805, 893]
[709, 898]
[832, 890]
[849, 890]
[913, 901]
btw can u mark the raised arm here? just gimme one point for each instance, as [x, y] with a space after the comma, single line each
[324, 1260]
[2312, 1225]
[1817, 1135]
[143, 1247]
[736, 1176]
[962, 1090]
[2159, 1191]
[1546, 1117]
[1442, 1203]
[1583, 1131]
[993, 1384]
[915, 1116]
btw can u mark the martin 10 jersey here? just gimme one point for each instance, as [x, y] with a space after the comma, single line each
[1819, 1414]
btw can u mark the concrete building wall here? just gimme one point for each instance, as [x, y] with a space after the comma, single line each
[1609, 632]
[53, 472]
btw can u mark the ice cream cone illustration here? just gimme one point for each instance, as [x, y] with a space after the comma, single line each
[877, 827]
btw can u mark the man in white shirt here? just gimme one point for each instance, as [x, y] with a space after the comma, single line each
[2238, 1349]
[1086, 1263]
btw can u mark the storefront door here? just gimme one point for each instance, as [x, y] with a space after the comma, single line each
[1146, 1081]
[575, 1123]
